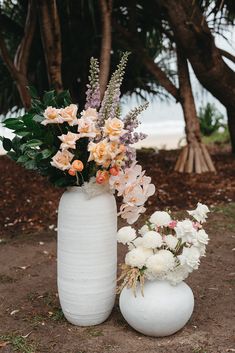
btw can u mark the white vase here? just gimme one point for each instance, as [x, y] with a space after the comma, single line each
[162, 311]
[87, 256]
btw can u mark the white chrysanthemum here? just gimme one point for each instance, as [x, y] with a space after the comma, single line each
[200, 213]
[171, 241]
[143, 230]
[160, 218]
[159, 264]
[177, 275]
[152, 240]
[191, 257]
[135, 243]
[137, 257]
[126, 235]
[202, 237]
[202, 249]
[185, 231]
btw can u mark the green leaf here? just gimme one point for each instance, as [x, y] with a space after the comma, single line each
[7, 144]
[31, 164]
[12, 155]
[63, 98]
[34, 143]
[13, 123]
[49, 98]
[38, 118]
[22, 133]
[61, 182]
[23, 159]
[33, 92]
[46, 153]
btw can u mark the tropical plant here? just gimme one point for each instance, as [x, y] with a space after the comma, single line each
[210, 119]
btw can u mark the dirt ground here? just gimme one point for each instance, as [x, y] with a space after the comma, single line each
[30, 316]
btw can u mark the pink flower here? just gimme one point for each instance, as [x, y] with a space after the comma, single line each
[172, 224]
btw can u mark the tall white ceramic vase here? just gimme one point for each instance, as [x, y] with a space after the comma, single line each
[87, 256]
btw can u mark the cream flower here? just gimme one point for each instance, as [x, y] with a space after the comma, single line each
[126, 234]
[99, 152]
[185, 230]
[170, 241]
[200, 213]
[190, 257]
[87, 127]
[90, 113]
[62, 159]
[160, 218]
[202, 237]
[179, 274]
[159, 263]
[69, 114]
[68, 140]
[144, 229]
[114, 128]
[52, 116]
[152, 240]
[131, 213]
[137, 257]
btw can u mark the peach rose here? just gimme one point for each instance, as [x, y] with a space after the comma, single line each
[52, 116]
[68, 141]
[90, 113]
[99, 152]
[69, 114]
[113, 128]
[87, 128]
[62, 159]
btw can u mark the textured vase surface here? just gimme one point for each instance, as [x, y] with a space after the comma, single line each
[162, 311]
[87, 256]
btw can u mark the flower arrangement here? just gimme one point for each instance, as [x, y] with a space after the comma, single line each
[166, 249]
[92, 149]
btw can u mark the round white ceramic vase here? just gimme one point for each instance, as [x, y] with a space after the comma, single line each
[87, 256]
[163, 310]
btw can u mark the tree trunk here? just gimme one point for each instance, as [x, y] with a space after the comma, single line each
[194, 157]
[106, 44]
[18, 68]
[191, 31]
[51, 40]
[22, 86]
[231, 125]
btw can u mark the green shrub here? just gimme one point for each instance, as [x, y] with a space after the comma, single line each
[210, 119]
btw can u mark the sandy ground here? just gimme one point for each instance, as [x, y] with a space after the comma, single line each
[29, 305]
[30, 316]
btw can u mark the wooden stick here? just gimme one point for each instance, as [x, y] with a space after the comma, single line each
[198, 168]
[189, 166]
[184, 158]
[208, 159]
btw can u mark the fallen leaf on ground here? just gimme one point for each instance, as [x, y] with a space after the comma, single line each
[4, 344]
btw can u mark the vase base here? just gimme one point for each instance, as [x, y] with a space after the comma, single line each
[78, 320]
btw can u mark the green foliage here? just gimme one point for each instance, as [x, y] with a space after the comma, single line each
[210, 119]
[35, 144]
[218, 138]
